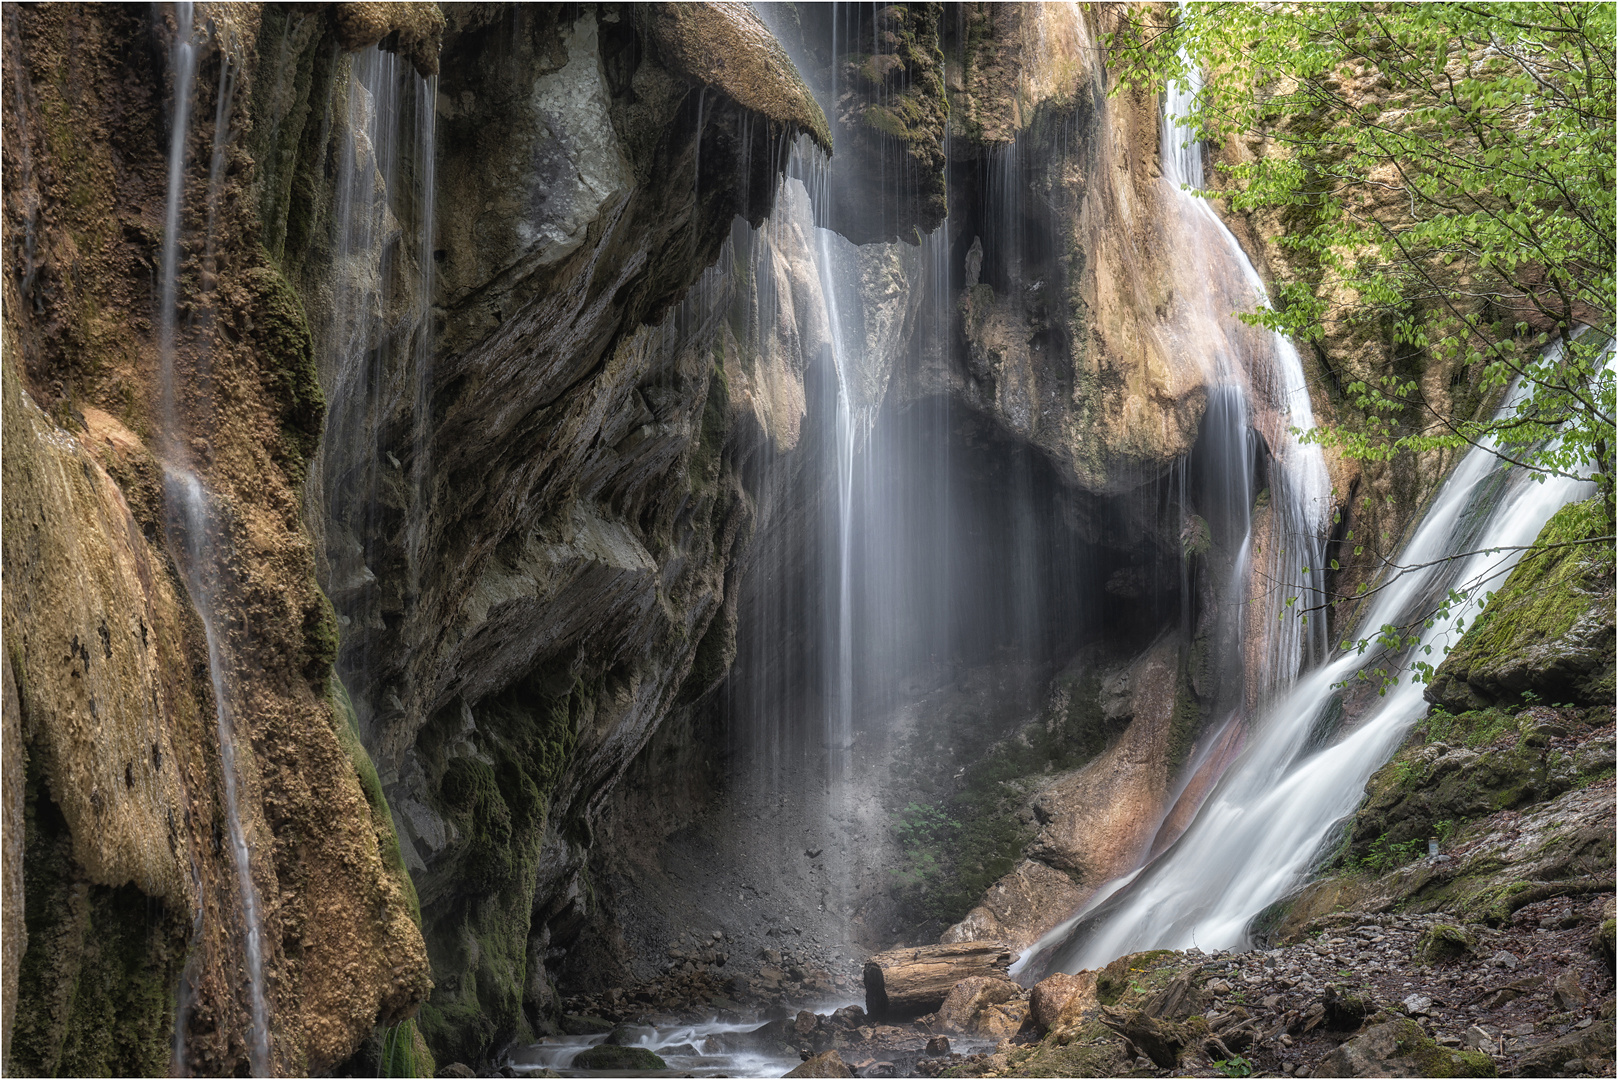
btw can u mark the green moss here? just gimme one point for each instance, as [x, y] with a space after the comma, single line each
[96, 987]
[287, 366]
[498, 801]
[290, 149]
[1099, 1057]
[1138, 973]
[348, 737]
[614, 1058]
[1408, 800]
[1442, 943]
[1548, 592]
[1430, 1059]
[320, 637]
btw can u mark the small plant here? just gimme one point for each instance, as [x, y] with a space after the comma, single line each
[1445, 830]
[1236, 1066]
[1384, 855]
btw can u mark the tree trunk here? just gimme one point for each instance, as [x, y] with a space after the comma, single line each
[903, 983]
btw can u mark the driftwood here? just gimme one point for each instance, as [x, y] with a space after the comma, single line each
[903, 983]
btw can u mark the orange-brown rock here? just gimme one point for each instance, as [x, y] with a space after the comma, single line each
[990, 1006]
[1060, 997]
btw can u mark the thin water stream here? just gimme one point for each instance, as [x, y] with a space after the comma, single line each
[194, 530]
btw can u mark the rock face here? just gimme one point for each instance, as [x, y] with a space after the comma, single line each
[559, 471]
[1547, 633]
[126, 877]
[1078, 338]
[1096, 822]
[882, 72]
[543, 572]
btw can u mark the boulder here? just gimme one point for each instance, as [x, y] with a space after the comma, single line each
[904, 983]
[1550, 1059]
[609, 1058]
[1345, 1010]
[1401, 1048]
[970, 998]
[629, 1035]
[1058, 995]
[1567, 991]
[830, 1063]
[1442, 942]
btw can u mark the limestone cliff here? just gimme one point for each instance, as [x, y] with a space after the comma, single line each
[505, 655]
[115, 694]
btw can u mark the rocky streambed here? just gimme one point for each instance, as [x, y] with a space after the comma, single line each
[1353, 995]
[1492, 957]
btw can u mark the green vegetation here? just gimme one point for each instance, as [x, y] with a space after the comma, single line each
[95, 992]
[1443, 174]
[1442, 942]
[348, 737]
[1568, 577]
[290, 374]
[1236, 1066]
[498, 800]
[404, 1053]
[614, 1058]
[1384, 855]
[1490, 129]
[1430, 1059]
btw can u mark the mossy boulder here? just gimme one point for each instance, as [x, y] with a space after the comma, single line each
[1442, 943]
[1401, 1048]
[1549, 631]
[1490, 760]
[1138, 974]
[607, 1058]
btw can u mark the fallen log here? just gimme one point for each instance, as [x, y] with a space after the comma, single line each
[903, 983]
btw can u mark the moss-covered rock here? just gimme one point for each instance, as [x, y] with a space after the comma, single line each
[1548, 633]
[607, 1058]
[96, 986]
[1489, 760]
[1401, 1048]
[1138, 973]
[497, 798]
[1441, 943]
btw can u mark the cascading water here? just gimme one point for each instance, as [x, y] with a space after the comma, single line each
[195, 533]
[368, 484]
[1259, 833]
[1272, 378]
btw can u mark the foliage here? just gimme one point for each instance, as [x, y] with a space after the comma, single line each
[1444, 173]
[1236, 1066]
[1446, 170]
[1385, 855]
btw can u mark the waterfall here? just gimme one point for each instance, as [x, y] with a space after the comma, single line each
[369, 485]
[1289, 566]
[196, 535]
[1263, 828]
